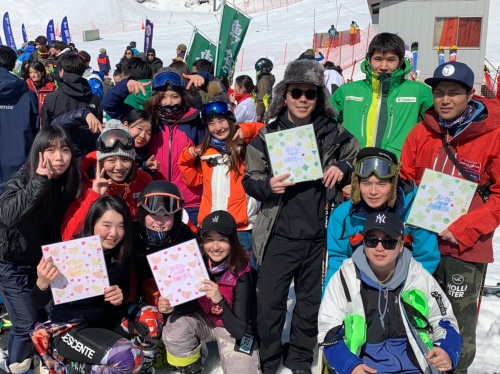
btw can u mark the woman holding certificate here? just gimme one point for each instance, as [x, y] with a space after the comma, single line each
[226, 313]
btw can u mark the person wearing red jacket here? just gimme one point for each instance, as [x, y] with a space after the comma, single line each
[116, 173]
[38, 83]
[469, 127]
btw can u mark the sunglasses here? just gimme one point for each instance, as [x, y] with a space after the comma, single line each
[296, 93]
[111, 139]
[382, 168]
[167, 78]
[128, 53]
[219, 108]
[155, 202]
[151, 54]
[372, 241]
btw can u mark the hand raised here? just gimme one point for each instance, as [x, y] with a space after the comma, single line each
[152, 163]
[44, 166]
[46, 272]
[100, 184]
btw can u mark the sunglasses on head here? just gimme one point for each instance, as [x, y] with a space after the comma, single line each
[217, 107]
[111, 139]
[382, 168]
[372, 241]
[156, 202]
[166, 78]
[296, 93]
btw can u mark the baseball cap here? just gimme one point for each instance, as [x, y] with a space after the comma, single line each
[377, 152]
[456, 72]
[387, 222]
[219, 221]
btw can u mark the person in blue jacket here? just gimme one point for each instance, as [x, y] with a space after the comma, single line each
[376, 187]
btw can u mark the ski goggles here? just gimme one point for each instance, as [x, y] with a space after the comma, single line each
[382, 168]
[219, 108]
[296, 93]
[156, 202]
[111, 139]
[371, 241]
[167, 78]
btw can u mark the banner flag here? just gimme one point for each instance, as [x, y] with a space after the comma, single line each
[7, 30]
[51, 36]
[25, 35]
[148, 35]
[65, 34]
[233, 28]
[201, 47]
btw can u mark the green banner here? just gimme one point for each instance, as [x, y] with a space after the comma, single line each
[201, 47]
[233, 29]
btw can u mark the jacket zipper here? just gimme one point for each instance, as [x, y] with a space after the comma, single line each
[170, 136]
[392, 121]
[363, 120]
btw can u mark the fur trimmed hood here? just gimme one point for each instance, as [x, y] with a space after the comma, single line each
[302, 71]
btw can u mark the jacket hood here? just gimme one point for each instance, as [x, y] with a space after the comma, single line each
[11, 86]
[396, 77]
[487, 119]
[74, 85]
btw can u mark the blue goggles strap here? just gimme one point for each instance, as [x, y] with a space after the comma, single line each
[167, 77]
[216, 107]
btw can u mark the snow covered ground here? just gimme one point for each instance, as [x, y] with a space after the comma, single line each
[279, 34]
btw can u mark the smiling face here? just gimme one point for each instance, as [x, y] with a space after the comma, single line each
[171, 97]
[300, 110]
[110, 228]
[384, 63]
[375, 192]
[382, 261]
[159, 221]
[451, 99]
[117, 167]
[141, 131]
[35, 75]
[219, 128]
[59, 157]
[216, 246]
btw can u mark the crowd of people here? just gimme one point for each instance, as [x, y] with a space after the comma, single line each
[155, 156]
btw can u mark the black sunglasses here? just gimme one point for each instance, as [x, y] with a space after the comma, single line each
[387, 243]
[296, 93]
[151, 54]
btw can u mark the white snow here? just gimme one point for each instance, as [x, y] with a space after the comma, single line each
[280, 34]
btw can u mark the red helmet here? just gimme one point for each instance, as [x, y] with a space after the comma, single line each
[144, 321]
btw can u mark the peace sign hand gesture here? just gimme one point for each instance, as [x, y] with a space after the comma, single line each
[100, 184]
[44, 166]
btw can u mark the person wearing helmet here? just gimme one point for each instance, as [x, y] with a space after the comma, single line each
[133, 46]
[265, 83]
[218, 165]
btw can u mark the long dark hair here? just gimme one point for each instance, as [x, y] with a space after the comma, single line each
[38, 66]
[246, 82]
[50, 136]
[102, 205]
[236, 149]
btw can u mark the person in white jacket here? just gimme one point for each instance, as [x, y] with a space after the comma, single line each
[245, 110]
[382, 312]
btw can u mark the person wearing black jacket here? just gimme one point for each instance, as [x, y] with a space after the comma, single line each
[32, 205]
[227, 311]
[73, 93]
[153, 61]
[289, 231]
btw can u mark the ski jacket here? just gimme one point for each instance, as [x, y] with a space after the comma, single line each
[118, 102]
[375, 323]
[31, 212]
[77, 211]
[346, 225]
[222, 188]
[336, 146]
[264, 94]
[156, 64]
[168, 145]
[41, 91]
[19, 122]
[476, 146]
[237, 289]
[382, 109]
[103, 62]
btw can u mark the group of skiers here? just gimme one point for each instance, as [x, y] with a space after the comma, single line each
[170, 154]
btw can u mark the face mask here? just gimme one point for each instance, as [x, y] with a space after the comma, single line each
[170, 113]
[157, 237]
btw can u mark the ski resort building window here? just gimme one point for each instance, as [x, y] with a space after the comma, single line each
[460, 31]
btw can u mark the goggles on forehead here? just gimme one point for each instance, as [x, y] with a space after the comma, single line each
[167, 78]
[217, 107]
[156, 202]
[382, 168]
[111, 139]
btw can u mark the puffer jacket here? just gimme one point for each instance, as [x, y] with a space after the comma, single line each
[337, 147]
[476, 146]
[382, 109]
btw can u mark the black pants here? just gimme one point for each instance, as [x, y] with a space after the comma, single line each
[283, 261]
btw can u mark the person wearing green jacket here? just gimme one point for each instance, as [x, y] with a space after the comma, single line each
[382, 109]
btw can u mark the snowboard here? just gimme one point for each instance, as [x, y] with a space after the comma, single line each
[491, 290]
